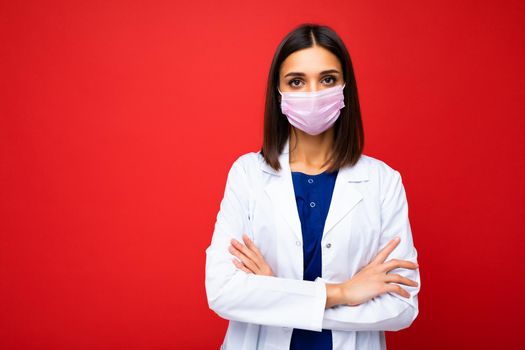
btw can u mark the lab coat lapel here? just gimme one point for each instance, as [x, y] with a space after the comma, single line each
[345, 195]
[282, 193]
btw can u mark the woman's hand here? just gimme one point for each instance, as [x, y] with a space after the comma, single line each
[373, 279]
[251, 258]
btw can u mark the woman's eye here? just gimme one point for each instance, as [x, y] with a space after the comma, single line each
[297, 83]
[332, 78]
[291, 82]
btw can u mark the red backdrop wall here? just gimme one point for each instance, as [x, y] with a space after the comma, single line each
[120, 119]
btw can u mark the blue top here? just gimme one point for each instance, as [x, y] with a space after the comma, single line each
[313, 194]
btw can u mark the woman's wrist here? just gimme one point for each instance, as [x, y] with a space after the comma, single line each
[334, 295]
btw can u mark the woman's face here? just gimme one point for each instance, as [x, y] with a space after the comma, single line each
[310, 69]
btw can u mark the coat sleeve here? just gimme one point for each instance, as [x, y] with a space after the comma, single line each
[236, 295]
[389, 311]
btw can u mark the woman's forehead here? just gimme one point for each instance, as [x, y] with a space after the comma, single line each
[310, 61]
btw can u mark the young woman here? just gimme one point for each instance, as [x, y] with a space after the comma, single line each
[312, 246]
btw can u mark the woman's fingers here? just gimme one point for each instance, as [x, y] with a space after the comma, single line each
[383, 253]
[241, 266]
[395, 288]
[396, 278]
[247, 261]
[395, 263]
[249, 243]
[246, 251]
[250, 256]
[364, 286]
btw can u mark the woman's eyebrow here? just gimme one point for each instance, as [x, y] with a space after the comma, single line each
[300, 74]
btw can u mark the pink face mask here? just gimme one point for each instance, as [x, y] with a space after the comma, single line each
[313, 112]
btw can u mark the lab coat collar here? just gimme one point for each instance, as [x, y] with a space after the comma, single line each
[345, 195]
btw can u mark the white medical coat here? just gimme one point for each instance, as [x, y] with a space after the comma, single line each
[368, 208]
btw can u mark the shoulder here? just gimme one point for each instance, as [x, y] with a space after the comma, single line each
[247, 161]
[245, 168]
[248, 158]
[388, 180]
[377, 167]
[385, 178]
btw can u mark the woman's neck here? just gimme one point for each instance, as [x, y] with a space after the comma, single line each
[308, 153]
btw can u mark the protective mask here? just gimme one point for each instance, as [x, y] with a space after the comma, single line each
[313, 112]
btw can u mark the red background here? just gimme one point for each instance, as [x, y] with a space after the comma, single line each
[120, 120]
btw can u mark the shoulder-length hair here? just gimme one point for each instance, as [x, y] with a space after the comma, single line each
[348, 129]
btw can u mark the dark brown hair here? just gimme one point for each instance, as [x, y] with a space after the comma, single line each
[348, 129]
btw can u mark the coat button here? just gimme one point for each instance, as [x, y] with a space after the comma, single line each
[310, 181]
[328, 245]
[298, 243]
[312, 204]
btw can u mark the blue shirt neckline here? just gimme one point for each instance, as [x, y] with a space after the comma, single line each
[309, 175]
